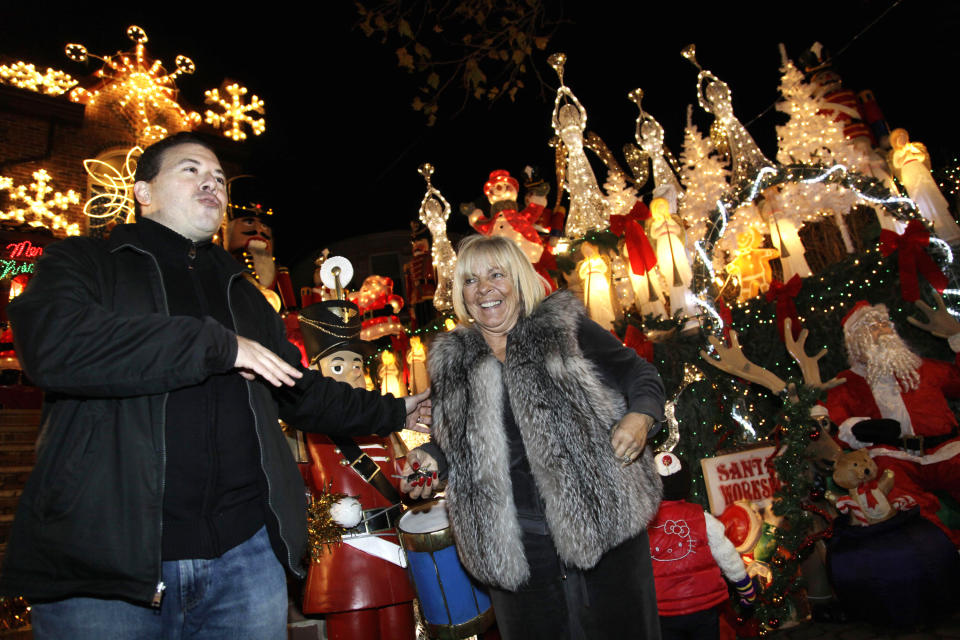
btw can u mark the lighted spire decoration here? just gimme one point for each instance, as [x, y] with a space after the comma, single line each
[113, 202]
[588, 207]
[25, 76]
[40, 204]
[649, 135]
[235, 113]
[434, 211]
[140, 87]
[714, 97]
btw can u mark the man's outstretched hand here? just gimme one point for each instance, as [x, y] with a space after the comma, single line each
[418, 412]
[254, 359]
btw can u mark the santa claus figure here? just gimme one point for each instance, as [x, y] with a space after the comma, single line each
[895, 403]
[360, 585]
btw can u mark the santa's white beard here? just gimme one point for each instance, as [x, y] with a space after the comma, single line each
[891, 356]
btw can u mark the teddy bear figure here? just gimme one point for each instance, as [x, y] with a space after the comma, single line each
[871, 497]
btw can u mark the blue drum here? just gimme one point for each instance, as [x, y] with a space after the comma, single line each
[454, 605]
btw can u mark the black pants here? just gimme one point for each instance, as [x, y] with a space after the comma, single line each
[616, 599]
[702, 625]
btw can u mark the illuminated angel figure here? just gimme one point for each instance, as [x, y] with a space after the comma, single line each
[434, 212]
[912, 162]
[714, 97]
[595, 274]
[672, 258]
[785, 236]
[391, 377]
[588, 207]
[649, 135]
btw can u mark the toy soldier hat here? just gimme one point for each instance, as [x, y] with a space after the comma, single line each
[332, 325]
[244, 197]
[251, 210]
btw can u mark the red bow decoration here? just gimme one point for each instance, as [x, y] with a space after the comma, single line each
[783, 295]
[639, 212]
[727, 316]
[912, 258]
[636, 340]
[866, 489]
[642, 256]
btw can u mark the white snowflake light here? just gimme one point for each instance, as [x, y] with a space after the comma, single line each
[40, 201]
[235, 113]
[25, 76]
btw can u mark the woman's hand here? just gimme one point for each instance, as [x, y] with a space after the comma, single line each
[423, 487]
[629, 437]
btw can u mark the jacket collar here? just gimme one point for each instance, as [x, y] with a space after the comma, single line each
[135, 236]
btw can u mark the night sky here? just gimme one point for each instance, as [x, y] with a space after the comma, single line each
[342, 146]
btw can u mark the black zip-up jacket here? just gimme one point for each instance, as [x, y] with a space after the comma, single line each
[93, 330]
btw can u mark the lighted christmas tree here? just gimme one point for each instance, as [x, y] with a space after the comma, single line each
[810, 136]
[704, 175]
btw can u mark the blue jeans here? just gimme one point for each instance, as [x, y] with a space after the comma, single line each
[241, 595]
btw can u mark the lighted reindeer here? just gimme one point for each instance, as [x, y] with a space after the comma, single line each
[730, 359]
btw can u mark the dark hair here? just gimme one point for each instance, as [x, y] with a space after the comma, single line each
[148, 167]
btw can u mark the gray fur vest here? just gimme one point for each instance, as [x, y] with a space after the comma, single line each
[565, 414]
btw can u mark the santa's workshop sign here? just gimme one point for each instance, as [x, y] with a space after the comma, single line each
[744, 475]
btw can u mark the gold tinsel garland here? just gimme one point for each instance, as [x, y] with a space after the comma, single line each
[322, 532]
[14, 613]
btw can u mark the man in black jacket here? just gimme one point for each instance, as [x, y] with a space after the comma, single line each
[165, 501]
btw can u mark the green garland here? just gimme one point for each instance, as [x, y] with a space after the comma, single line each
[795, 430]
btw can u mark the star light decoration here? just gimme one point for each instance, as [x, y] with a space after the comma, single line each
[235, 112]
[39, 210]
[434, 212]
[25, 76]
[139, 85]
[114, 202]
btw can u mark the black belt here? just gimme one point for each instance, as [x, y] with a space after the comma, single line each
[375, 521]
[922, 443]
[366, 467]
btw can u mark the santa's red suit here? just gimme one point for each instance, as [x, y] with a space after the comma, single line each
[686, 573]
[919, 468]
[359, 592]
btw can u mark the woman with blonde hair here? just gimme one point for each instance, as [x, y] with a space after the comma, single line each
[541, 418]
